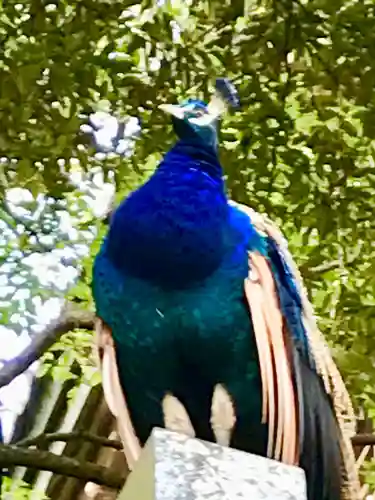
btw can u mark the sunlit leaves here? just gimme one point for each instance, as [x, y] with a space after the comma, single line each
[301, 148]
[17, 489]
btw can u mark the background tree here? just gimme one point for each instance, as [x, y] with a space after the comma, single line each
[301, 148]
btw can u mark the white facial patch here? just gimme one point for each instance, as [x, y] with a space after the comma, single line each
[173, 109]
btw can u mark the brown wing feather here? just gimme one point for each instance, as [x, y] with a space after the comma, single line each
[287, 430]
[113, 392]
[277, 382]
[254, 296]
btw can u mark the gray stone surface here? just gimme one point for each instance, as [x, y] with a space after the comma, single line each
[174, 467]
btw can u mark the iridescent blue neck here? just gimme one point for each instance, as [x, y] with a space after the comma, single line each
[207, 158]
[171, 230]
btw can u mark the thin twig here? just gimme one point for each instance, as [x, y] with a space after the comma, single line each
[327, 266]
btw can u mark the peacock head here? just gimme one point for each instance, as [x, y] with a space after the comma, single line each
[196, 122]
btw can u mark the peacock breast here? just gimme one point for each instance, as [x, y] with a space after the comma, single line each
[171, 232]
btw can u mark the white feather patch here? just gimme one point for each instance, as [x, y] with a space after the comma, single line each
[223, 416]
[176, 417]
[217, 105]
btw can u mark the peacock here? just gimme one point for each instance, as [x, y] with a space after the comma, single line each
[203, 323]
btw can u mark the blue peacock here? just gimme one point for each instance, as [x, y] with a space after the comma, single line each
[203, 322]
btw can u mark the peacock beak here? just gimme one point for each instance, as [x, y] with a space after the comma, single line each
[173, 109]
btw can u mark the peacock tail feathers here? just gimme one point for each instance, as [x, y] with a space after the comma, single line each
[325, 365]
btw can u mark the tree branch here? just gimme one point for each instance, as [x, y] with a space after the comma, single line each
[327, 266]
[69, 319]
[42, 439]
[363, 440]
[17, 455]
[45, 460]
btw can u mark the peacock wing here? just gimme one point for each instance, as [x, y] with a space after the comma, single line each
[280, 409]
[106, 355]
[322, 362]
[305, 401]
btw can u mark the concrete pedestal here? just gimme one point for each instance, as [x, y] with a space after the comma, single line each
[174, 467]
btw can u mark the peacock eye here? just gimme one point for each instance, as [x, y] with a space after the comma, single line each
[199, 112]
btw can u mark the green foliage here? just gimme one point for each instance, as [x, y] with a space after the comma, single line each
[19, 490]
[39, 251]
[301, 148]
[71, 358]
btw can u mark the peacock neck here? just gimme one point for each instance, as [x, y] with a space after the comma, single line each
[171, 230]
[205, 158]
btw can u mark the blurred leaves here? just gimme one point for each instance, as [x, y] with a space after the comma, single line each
[301, 148]
[43, 241]
[16, 489]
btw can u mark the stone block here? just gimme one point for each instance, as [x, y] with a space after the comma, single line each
[175, 467]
